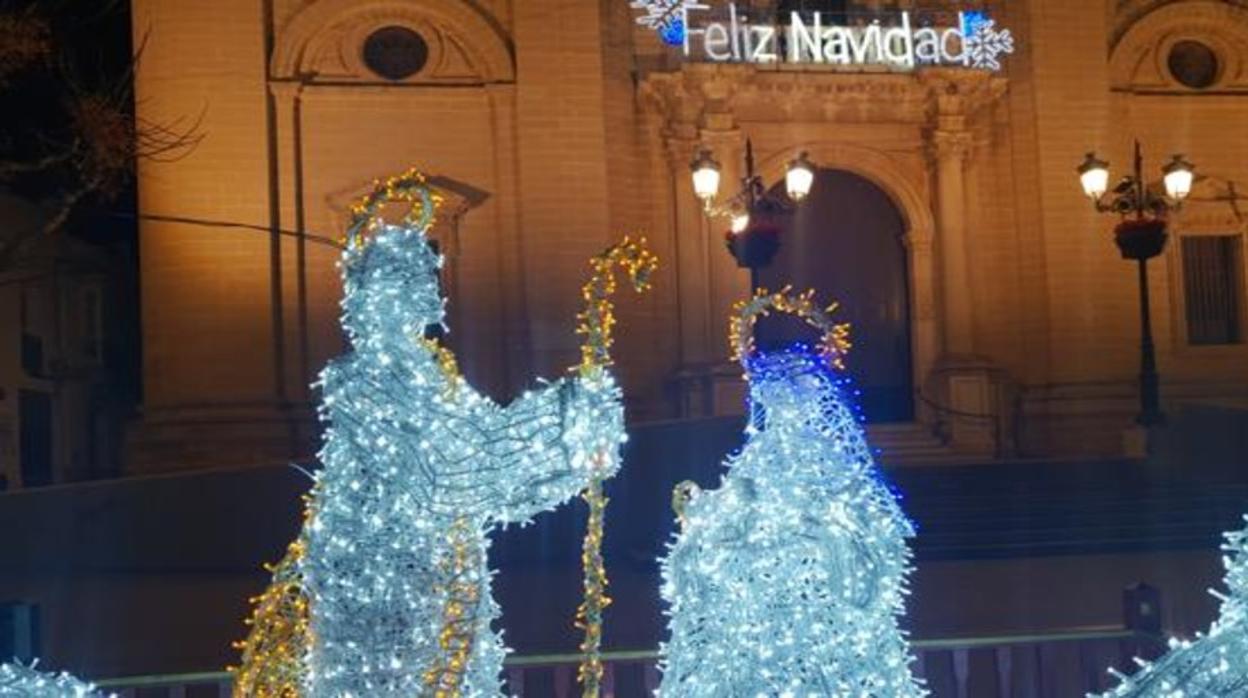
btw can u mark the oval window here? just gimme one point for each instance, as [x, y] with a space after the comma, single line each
[395, 53]
[1193, 64]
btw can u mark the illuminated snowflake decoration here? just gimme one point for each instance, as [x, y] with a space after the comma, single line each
[21, 681]
[1212, 664]
[984, 42]
[665, 17]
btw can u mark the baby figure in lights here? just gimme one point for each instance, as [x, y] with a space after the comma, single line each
[417, 468]
[788, 579]
[1213, 665]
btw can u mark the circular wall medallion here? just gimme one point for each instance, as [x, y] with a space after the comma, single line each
[1193, 64]
[395, 52]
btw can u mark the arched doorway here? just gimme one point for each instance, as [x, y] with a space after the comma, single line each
[846, 241]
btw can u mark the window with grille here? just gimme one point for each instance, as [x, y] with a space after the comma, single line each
[1213, 289]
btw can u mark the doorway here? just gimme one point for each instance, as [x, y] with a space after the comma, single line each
[846, 241]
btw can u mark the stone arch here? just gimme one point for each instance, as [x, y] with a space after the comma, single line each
[876, 166]
[1137, 58]
[483, 44]
[911, 199]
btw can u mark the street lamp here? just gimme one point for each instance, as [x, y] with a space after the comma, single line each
[799, 178]
[756, 216]
[705, 176]
[1141, 235]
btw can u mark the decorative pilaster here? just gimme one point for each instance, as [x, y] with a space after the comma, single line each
[969, 391]
[727, 282]
[288, 188]
[692, 251]
[949, 150]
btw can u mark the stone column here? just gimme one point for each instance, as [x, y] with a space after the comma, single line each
[692, 255]
[949, 150]
[693, 275]
[967, 389]
[727, 282]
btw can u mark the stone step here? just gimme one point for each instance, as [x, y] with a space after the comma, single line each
[902, 445]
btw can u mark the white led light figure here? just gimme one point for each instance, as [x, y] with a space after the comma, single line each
[788, 579]
[1213, 665]
[21, 681]
[418, 467]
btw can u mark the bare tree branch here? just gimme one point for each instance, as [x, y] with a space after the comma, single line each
[92, 147]
[25, 39]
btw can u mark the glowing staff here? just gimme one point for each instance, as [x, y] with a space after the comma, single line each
[595, 323]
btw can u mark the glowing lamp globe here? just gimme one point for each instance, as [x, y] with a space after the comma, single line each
[1178, 175]
[799, 178]
[1094, 176]
[705, 176]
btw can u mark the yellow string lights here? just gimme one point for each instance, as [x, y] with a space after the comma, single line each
[274, 651]
[447, 362]
[597, 320]
[596, 323]
[834, 344]
[409, 187]
[459, 618]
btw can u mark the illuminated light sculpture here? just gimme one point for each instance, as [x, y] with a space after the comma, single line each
[418, 467]
[788, 579]
[596, 323]
[1214, 665]
[21, 681]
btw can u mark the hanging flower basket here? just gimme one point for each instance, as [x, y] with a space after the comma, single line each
[757, 245]
[1140, 239]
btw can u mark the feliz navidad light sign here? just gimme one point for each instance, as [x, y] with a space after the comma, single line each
[727, 34]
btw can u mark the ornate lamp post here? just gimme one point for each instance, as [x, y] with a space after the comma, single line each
[1141, 235]
[757, 217]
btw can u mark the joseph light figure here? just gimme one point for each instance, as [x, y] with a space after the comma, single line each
[417, 468]
[788, 579]
[1213, 665]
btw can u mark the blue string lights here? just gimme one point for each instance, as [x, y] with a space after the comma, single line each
[789, 578]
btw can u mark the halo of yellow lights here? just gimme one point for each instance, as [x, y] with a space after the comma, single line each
[833, 345]
[410, 187]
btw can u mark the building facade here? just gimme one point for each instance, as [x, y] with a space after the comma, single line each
[64, 401]
[993, 313]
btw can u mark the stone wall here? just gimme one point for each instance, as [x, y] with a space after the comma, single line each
[554, 127]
